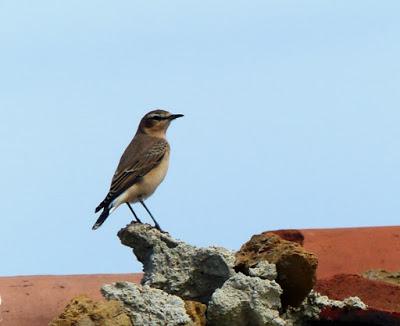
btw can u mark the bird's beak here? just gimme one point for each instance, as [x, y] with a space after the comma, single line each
[175, 116]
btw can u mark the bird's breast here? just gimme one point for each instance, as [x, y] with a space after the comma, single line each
[152, 180]
[147, 185]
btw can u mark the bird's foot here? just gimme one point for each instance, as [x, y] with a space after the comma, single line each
[157, 226]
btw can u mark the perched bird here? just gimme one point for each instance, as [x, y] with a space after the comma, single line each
[142, 166]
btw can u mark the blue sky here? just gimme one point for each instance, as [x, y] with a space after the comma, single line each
[291, 121]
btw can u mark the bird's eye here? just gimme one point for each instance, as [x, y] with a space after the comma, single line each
[157, 118]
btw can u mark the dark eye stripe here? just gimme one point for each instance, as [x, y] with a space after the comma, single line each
[158, 118]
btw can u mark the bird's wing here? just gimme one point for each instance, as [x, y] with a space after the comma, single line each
[134, 165]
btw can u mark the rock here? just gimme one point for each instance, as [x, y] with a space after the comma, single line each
[320, 310]
[295, 266]
[83, 311]
[376, 294]
[382, 275]
[245, 300]
[176, 267]
[370, 317]
[147, 306]
[48, 295]
[264, 270]
[315, 299]
[197, 312]
[290, 235]
[315, 304]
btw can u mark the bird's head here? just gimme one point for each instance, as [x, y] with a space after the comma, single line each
[156, 123]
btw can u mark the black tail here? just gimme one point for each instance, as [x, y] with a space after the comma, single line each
[103, 216]
[107, 201]
[101, 205]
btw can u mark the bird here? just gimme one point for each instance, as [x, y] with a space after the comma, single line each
[142, 167]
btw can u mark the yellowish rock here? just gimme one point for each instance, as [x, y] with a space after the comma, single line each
[83, 311]
[197, 312]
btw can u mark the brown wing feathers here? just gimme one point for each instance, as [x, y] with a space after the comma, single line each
[139, 158]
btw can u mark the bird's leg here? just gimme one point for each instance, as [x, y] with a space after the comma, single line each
[133, 212]
[151, 215]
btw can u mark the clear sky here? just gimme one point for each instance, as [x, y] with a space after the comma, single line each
[291, 121]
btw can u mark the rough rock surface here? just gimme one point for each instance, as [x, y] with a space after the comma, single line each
[295, 266]
[147, 306]
[197, 312]
[175, 266]
[83, 311]
[314, 304]
[246, 301]
[291, 235]
[37, 300]
[376, 294]
[382, 275]
[319, 310]
[370, 317]
[264, 270]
